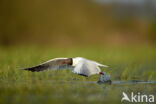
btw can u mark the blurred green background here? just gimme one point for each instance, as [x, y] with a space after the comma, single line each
[77, 22]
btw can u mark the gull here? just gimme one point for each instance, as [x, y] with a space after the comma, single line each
[79, 65]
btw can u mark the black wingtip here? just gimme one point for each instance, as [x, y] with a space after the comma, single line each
[36, 68]
[32, 69]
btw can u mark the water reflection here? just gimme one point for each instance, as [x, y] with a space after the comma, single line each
[112, 82]
[134, 82]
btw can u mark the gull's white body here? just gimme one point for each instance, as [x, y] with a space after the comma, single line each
[86, 67]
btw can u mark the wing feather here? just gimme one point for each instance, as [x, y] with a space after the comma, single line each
[54, 64]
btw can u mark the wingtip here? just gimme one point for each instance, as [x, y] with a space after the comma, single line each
[28, 69]
[104, 66]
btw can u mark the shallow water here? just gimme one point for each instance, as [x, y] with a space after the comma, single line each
[134, 82]
[77, 91]
[113, 82]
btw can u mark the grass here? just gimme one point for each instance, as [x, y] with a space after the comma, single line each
[50, 87]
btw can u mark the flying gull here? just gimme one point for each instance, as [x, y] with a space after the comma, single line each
[78, 65]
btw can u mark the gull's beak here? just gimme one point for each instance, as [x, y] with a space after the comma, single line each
[102, 73]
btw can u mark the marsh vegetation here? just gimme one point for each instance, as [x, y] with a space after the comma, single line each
[63, 86]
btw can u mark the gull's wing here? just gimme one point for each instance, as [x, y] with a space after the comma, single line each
[99, 64]
[86, 68]
[54, 64]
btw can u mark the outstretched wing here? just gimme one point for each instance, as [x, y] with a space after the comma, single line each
[54, 64]
[86, 68]
[101, 65]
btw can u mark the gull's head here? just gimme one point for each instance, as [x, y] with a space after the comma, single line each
[76, 60]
